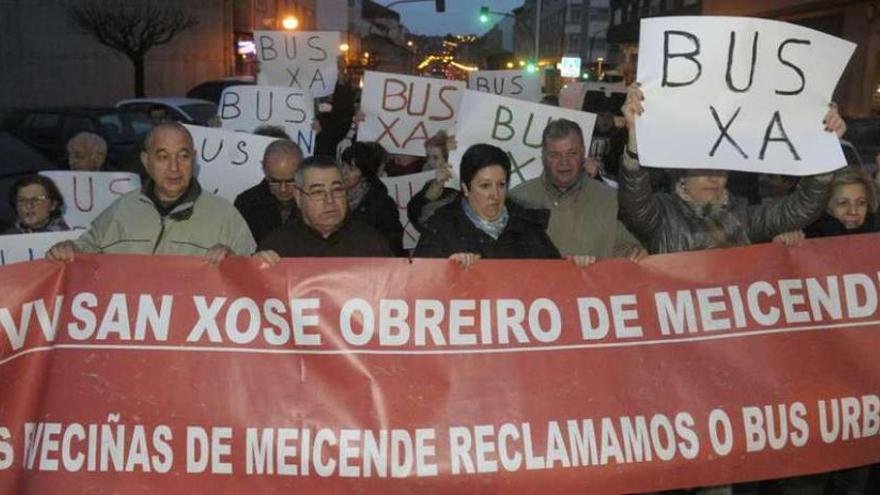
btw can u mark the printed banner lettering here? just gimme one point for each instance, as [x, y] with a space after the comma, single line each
[402, 112]
[391, 376]
[228, 162]
[738, 93]
[513, 83]
[87, 194]
[244, 108]
[513, 125]
[301, 60]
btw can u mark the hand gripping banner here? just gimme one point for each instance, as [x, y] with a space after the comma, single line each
[162, 374]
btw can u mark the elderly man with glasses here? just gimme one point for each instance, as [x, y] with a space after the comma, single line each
[324, 228]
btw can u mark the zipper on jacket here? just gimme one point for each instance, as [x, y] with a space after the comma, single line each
[161, 233]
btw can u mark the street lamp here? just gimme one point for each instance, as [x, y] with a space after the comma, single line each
[290, 23]
[344, 47]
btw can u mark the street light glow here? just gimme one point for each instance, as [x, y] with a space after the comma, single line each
[531, 68]
[509, 65]
[409, 43]
[344, 47]
[290, 23]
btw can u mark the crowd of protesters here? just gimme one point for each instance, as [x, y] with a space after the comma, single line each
[587, 204]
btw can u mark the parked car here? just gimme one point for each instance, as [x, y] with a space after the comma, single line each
[864, 135]
[185, 110]
[48, 129]
[211, 90]
[17, 158]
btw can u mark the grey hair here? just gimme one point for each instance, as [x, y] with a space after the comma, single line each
[319, 162]
[282, 147]
[559, 129]
[90, 139]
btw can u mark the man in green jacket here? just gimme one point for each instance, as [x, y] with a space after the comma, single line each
[583, 211]
[169, 215]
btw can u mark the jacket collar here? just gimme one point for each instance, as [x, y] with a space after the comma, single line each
[180, 209]
[572, 190]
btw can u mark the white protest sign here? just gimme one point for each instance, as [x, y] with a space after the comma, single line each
[402, 189]
[513, 125]
[402, 112]
[87, 194]
[28, 247]
[303, 60]
[228, 162]
[513, 83]
[738, 93]
[244, 108]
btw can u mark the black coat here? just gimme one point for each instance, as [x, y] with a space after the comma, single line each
[827, 226]
[261, 210]
[379, 210]
[352, 239]
[450, 231]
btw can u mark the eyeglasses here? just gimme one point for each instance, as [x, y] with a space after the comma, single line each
[568, 155]
[280, 182]
[324, 194]
[31, 201]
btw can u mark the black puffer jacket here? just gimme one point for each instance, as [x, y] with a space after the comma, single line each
[666, 223]
[450, 231]
[379, 210]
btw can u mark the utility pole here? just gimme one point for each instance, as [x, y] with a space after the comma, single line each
[537, 31]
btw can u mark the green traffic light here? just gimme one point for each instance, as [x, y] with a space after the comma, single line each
[484, 18]
[531, 68]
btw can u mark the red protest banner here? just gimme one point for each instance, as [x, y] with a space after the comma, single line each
[143, 374]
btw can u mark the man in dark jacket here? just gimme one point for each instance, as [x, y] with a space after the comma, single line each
[270, 204]
[324, 228]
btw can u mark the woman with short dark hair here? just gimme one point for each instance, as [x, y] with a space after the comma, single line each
[38, 206]
[482, 223]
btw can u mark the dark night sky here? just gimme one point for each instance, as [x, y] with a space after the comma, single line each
[461, 16]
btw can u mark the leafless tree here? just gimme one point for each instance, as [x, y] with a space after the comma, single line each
[132, 28]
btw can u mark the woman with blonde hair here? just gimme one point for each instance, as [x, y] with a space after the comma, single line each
[851, 206]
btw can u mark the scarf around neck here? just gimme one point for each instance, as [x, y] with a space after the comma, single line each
[492, 228]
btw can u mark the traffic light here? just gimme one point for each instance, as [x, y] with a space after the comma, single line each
[440, 5]
[484, 14]
[531, 67]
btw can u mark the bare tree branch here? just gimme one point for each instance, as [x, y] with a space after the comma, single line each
[131, 28]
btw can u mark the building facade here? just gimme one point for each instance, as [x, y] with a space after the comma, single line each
[45, 60]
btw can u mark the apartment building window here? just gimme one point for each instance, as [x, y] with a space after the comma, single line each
[618, 16]
[654, 8]
[670, 4]
[574, 42]
[574, 15]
